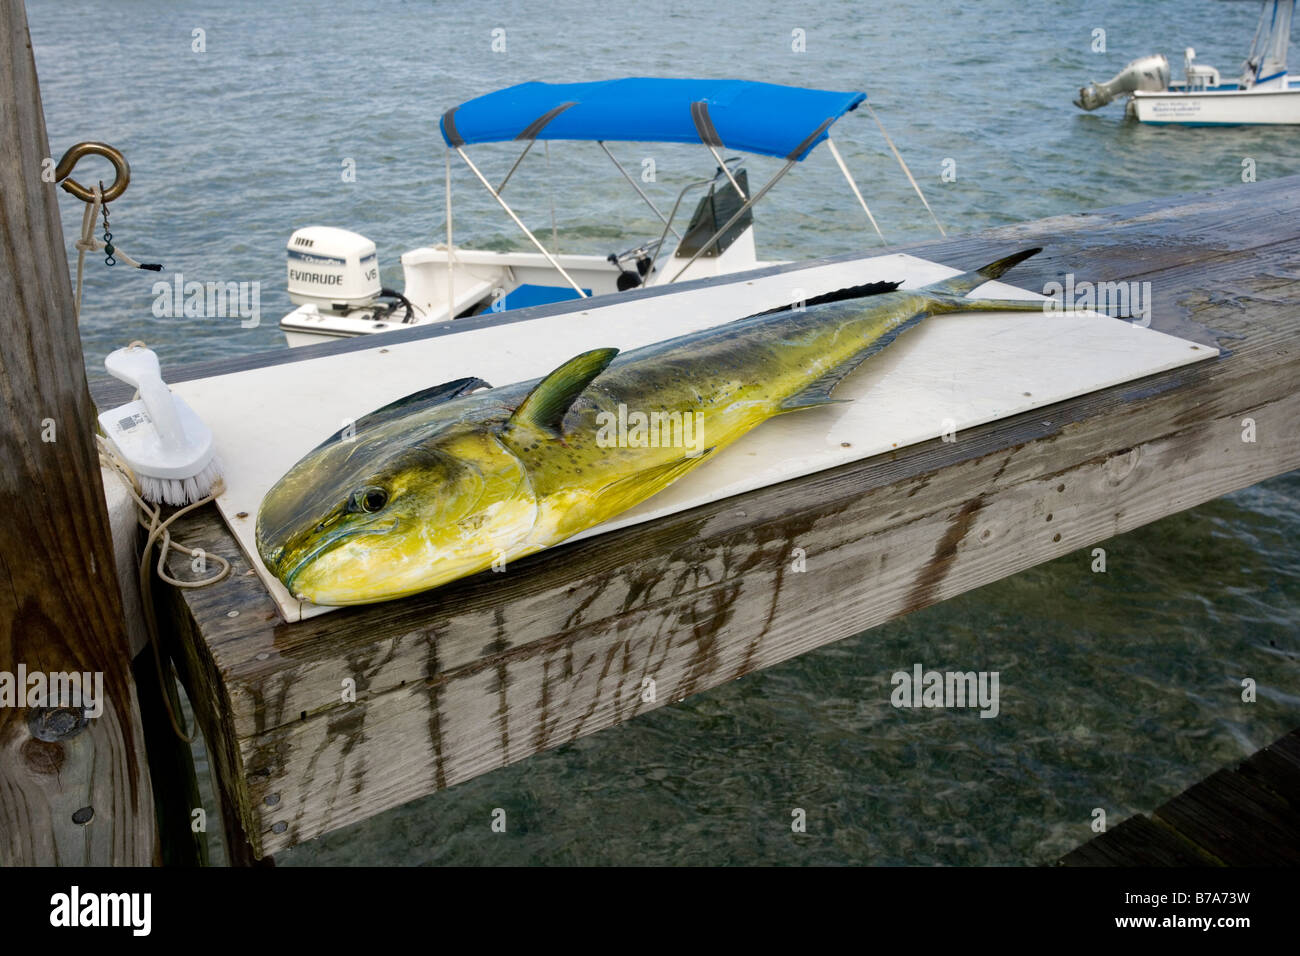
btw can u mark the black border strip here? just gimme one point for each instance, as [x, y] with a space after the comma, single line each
[536, 126]
[449, 127]
[704, 124]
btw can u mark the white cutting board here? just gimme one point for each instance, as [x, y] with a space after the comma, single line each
[951, 372]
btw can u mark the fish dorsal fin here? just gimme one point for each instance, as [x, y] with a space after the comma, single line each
[839, 295]
[545, 406]
[425, 397]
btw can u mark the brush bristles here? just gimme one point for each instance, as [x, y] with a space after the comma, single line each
[180, 491]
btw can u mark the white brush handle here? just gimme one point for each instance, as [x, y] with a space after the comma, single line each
[158, 399]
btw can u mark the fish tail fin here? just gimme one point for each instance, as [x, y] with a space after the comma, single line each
[960, 285]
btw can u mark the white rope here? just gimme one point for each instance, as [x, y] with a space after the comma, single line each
[911, 179]
[95, 245]
[149, 516]
[159, 530]
[854, 186]
[86, 243]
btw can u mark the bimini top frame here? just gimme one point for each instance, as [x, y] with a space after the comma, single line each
[765, 118]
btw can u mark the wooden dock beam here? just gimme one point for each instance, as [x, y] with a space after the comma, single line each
[493, 669]
[72, 790]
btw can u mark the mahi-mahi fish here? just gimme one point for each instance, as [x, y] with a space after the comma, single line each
[450, 480]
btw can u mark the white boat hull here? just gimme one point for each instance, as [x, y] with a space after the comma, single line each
[479, 277]
[1219, 107]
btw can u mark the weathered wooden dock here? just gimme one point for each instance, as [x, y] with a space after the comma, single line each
[1246, 816]
[496, 668]
[72, 790]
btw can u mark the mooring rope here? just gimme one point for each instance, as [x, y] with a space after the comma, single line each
[86, 243]
[148, 515]
[159, 530]
[150, 518]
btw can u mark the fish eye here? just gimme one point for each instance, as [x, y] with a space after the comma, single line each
[369, 500]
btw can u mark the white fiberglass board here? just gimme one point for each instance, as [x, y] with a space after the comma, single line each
[951, 372]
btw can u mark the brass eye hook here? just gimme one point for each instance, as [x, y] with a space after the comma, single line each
[63, 171]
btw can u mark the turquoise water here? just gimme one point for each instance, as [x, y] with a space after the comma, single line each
[1118, 690]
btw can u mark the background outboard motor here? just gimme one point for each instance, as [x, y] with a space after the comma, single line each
[334, 269]
[1149, 74]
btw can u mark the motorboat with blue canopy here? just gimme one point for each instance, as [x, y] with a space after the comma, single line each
[334, 275]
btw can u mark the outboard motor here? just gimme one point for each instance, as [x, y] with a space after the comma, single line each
[334, 269]
[1149, 74]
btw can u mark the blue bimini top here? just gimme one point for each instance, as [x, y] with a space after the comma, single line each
[783, 121]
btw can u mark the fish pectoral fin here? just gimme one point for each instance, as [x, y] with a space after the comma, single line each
[818, 392]
[812, 397]
[543, 409]
[623, 494]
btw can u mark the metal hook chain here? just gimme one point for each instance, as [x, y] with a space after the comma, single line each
[108, 236]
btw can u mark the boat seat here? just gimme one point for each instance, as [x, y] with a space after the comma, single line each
[523, 296]
[1202, 77]
[469, 296]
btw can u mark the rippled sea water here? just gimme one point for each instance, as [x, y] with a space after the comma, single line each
[1118, 689]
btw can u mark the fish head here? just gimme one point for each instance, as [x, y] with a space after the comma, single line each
[377, 518]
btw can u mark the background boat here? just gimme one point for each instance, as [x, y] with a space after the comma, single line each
[1264, 94]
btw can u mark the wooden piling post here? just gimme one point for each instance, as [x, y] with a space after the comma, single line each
[72, 790]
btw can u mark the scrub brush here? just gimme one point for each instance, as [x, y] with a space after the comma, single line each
[159, 437]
